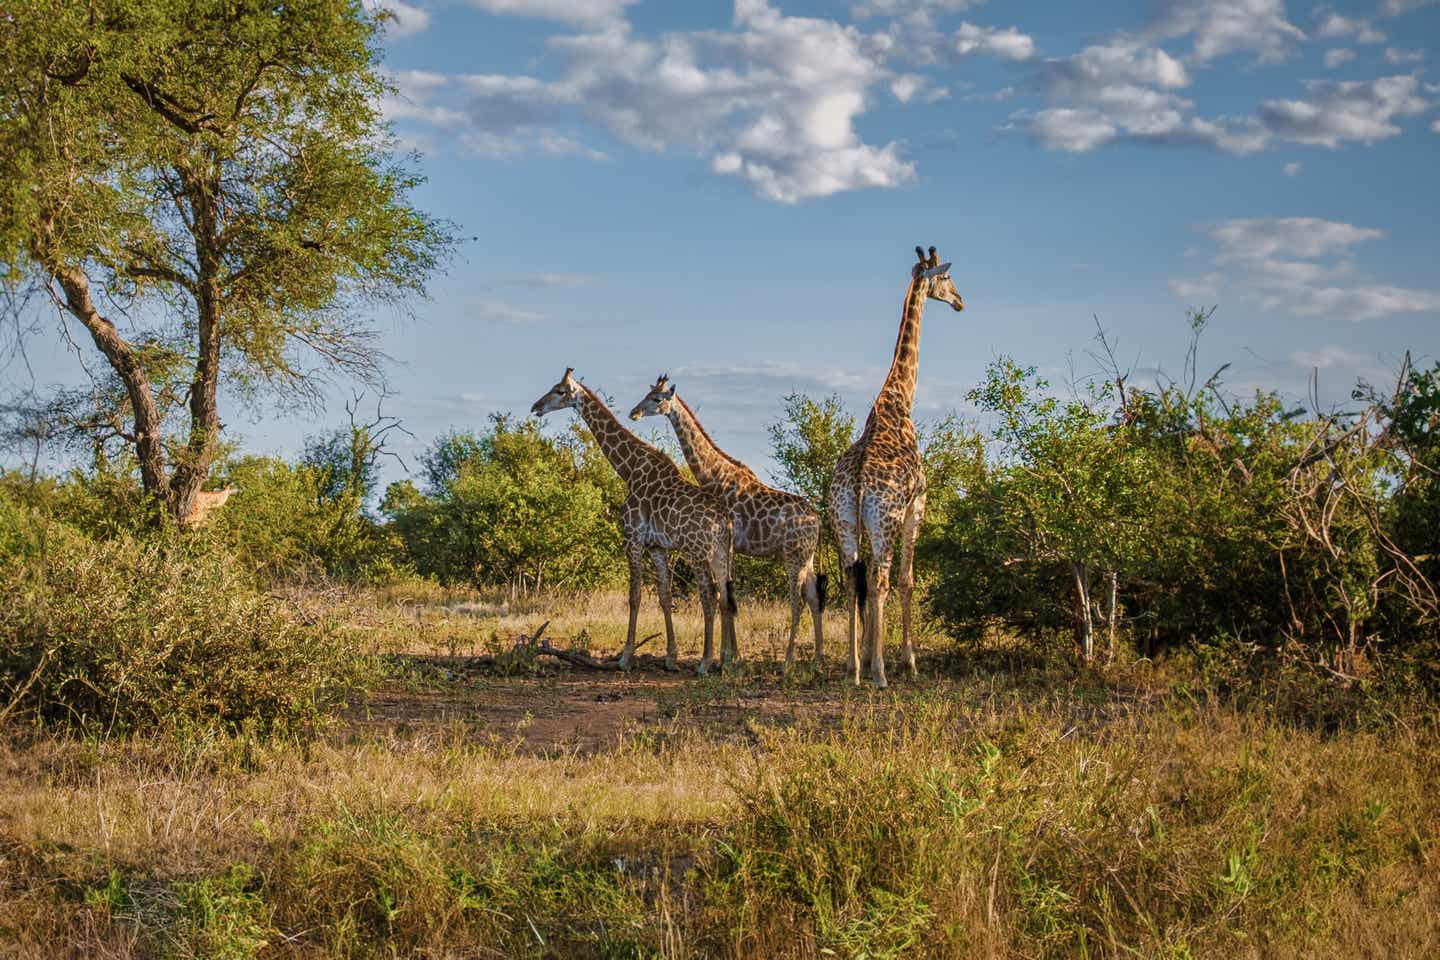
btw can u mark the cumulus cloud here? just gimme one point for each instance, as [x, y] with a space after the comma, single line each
[1334, 112]
[1220, 27]
[1332, 25]
[893, 8]
[1326, 357]
[1008, 44]
[497, 311]
[1397, 56]
[1338, 56]
[584, 12]
[1125, 90]
[773, 101]
[1287, 265]
[1196, 288]
[403, 20]
[1393, 8]
[1304, 237]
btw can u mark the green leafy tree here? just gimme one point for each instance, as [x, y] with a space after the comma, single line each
[806, 442]
[207, 188]
[1075, 484]
[512, 507]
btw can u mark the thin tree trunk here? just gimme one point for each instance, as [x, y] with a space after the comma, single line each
[1084, 623]
[1112, 583]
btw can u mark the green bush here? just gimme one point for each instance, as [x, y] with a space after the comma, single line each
[131, 633]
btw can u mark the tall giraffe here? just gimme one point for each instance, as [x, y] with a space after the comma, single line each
[767, 522]
[879, 487]
[662, 512]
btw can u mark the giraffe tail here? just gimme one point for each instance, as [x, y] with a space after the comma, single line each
[857, 569]
[730, 603]
[821, 581]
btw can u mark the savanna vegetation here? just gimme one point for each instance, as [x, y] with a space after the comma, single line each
[1182, 647]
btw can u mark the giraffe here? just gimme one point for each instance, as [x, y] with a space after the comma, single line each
[879, 487]
[767, 522]
[662, 512]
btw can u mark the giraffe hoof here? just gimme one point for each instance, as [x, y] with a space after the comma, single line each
[671, 666]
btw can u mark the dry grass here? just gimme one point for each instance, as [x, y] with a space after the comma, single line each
[1002, 806]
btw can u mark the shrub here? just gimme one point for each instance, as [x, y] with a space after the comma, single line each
[130, 633]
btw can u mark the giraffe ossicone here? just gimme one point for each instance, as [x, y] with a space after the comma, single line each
[878, 492]
[662, 513]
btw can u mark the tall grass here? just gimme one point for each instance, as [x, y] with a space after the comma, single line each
[1025, 812]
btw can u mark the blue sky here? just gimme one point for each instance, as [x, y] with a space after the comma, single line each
[731, 192]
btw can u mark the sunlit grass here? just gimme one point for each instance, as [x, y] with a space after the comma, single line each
[1004, 805]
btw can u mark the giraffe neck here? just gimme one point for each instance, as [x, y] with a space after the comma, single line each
[898, 393]
[625, 451]
[711, 465]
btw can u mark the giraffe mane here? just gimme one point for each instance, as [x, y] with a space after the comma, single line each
[713, 445]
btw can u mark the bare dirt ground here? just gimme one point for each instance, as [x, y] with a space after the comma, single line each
[573, 709]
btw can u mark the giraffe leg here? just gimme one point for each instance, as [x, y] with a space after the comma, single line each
[816, 602]
[635, 554]
[724, 587]
[848, 537]
[797, 573]
[662, 589]
[913, 516]
[705, 584]
[875, 622]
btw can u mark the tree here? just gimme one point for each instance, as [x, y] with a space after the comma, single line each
[207, 187]
[1075, 484]
[511, 507]
[807, 441]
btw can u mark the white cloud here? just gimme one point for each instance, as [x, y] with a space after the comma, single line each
[1197, 287]
[1221, 27]
[585, 12]
[1326, 357]
[1303, 237]
[1336, 112]
[892, 8]
[1435, 126]
[1333, 25]
[1292, 169]
[404, 20]
[500, 312]
[773, 101]
[780, 375]
[1370, 302]
[1397, 56]
[1393, 8]
[1124, 90]
[1338, 56]
[1007, 44]
[1275, 260]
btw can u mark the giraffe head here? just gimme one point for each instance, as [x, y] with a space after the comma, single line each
[930, 270]
[565, 394]
[657, 401]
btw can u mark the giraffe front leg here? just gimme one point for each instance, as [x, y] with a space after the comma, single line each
[815, 597]
[875, 623]
[706, 585]
[797, 573]
[635, 554]
[913, 518]
[662, 589]
[847, 535]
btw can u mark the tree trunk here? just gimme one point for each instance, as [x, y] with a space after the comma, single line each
[1112, 584]
[148, 438]
[200, 449]
[1084, 623]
